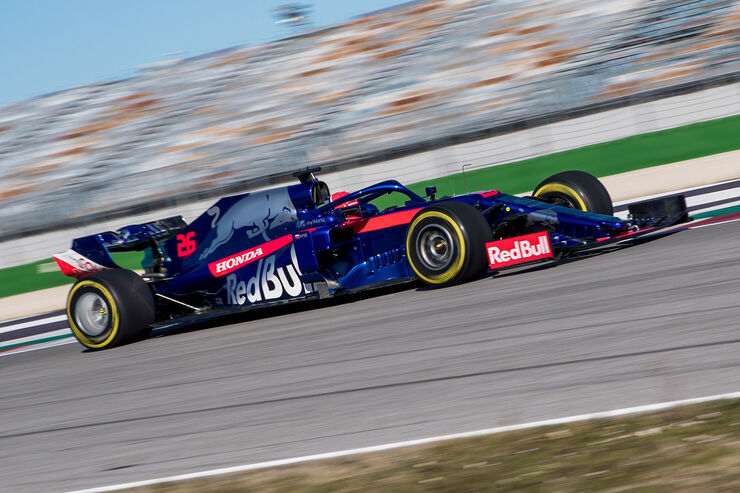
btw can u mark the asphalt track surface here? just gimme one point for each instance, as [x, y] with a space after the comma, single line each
[656, 322]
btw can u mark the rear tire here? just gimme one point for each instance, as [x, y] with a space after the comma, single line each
[445, 244]
[110, 308]
[576, 190]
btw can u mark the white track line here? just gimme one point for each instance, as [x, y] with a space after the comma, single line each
[32, 323]
[726, 205]
[42, 345]
[33, 339]
[379, 448]
[727, 193]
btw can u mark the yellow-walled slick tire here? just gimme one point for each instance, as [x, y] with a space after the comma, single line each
[576, 190]
[110, 308]
[445, 243]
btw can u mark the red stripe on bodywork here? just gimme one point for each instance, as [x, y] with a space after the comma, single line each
[67, 269]
[238, 260]
[489, 194]
[389, 220]
[74, 264]
[631, 233]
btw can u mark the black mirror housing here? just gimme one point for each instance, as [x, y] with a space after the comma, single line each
[431, 192]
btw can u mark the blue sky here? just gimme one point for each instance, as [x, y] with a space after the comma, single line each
[49, 45]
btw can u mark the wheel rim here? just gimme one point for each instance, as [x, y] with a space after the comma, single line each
[436, 247]
[92, 314]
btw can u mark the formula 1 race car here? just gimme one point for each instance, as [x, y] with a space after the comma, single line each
[299, 242]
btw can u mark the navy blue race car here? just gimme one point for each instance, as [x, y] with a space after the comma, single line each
[297, 242]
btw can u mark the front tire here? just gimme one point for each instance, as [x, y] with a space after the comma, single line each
[576, 190]
[445, 243]
[110, 308]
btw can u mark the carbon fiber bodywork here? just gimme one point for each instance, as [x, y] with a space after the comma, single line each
[291, 243]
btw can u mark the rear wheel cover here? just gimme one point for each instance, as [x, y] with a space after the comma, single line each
[93, 314]
[110, 308]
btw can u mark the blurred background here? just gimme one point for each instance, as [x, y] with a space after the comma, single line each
[382, 85]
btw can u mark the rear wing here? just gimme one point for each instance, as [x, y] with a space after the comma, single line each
[92, 253]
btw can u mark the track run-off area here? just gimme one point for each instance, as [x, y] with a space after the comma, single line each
[652, 323]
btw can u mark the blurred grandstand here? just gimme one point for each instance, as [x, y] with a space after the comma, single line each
[424, 74]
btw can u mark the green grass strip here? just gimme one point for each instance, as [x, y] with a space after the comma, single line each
[45, 274]
[608, 158]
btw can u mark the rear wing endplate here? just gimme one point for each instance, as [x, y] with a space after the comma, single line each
[92, 253]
